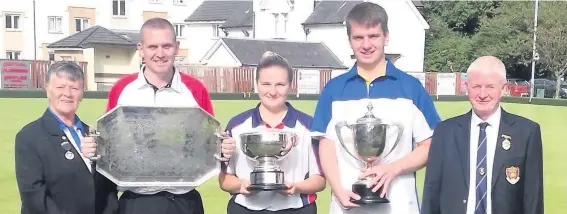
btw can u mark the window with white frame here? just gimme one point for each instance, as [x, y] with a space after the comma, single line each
[216, 30]
[13, 54]
[276, 24]
[13, 21]
[179, 2]
[179, 28]
[284, 24]
[280, 24]
[54, 24]
[81, 24]
[119, 7]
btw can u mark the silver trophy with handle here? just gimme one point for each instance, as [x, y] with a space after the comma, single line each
[267, 147]
[368, 144]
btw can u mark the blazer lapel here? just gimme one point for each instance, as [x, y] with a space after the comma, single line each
[58, 137]
[505, 129]
[462, 138]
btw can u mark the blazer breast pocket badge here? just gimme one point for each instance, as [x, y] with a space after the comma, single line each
[513, 174]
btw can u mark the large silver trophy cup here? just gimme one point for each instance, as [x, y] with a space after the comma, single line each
[157, 147]
[266, 147]
[369, 140]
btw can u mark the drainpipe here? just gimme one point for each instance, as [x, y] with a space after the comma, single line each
[253, 24]
[34, 34]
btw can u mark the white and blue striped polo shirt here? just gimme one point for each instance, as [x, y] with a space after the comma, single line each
[396, 97]
[301, 163]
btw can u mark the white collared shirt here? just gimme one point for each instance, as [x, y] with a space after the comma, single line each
[492, 136]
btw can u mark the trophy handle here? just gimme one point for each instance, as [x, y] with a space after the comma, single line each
[400, 133]
[221, 136]
[294, 138]
[94, 134]
[338, 128]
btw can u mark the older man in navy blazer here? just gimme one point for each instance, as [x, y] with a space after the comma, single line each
[486, 161]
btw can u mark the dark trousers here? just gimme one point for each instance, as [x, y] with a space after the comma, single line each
[161, 203]
[234, 208]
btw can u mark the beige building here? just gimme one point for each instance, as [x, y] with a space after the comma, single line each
[27, 27]
[109, 54]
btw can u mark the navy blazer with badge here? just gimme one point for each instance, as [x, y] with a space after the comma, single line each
[51, 183]
[446, 185]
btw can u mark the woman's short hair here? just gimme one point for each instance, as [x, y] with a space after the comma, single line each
[270, 59]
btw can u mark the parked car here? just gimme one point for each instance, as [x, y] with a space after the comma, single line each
[518, 87]
[549, 88]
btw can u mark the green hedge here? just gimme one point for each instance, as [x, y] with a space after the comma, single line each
[7, 93]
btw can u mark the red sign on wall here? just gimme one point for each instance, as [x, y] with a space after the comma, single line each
[15, 74]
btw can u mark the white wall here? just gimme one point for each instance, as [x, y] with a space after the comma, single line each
[222, 57]
[335, 38]
[237, 33]
[407, 36]
[199, 40]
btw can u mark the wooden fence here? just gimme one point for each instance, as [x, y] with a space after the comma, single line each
[223, 79]
[237, 79]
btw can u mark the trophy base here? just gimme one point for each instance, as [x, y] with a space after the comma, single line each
[267, 181]
[266, 187]
[367, 196]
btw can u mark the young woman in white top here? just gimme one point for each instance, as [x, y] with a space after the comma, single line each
[301, 169]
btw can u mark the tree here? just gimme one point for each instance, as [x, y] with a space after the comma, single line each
[551, 43]
[452, 23]
[447, 51]
[507, 35]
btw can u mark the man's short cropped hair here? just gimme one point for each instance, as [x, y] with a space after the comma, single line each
[158, 23]
[368, 14]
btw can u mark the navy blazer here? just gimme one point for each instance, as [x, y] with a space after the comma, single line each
[49, 183]
[446, 185]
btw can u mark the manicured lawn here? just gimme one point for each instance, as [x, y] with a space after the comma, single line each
[15, 113]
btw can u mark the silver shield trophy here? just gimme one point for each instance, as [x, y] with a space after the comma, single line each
[266, 147]
[367, 145]
[159, 148]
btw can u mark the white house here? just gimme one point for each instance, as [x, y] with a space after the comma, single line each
[306, 20]
[406, 25]
[204, 25]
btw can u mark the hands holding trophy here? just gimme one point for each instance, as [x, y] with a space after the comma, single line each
[266, 147]
[369, 140]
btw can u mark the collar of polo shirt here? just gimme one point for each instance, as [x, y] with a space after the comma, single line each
[174, 82]
[289, 120]
[390, 72]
